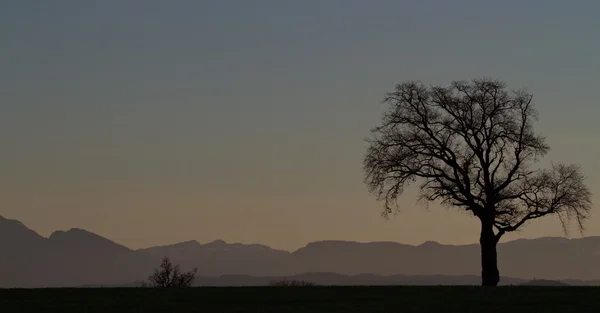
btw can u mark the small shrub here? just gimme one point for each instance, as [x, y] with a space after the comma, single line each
[170, 276]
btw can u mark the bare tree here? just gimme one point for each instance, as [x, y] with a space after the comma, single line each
[170, 276]
[471, 145]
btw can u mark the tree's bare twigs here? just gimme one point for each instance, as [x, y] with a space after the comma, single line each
[169, 275]
[471, 145]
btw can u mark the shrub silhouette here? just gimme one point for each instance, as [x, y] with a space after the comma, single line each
[169, 276]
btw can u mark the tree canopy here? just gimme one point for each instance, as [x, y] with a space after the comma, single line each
[471, 145]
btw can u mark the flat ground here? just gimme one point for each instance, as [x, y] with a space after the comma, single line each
[304, 299]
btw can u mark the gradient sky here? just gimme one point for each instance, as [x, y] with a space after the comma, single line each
[154, 122]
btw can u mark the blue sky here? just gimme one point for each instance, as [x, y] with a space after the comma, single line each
[244, 120]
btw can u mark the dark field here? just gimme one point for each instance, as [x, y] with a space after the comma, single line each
[305, 299]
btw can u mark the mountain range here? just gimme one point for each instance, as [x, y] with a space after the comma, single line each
[80, 258]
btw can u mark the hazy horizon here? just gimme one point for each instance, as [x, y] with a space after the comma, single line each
[291, 249]
[244, 121]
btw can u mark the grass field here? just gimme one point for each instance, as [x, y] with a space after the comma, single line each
[304, 299]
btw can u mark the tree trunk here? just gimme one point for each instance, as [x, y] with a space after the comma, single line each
[490, 276]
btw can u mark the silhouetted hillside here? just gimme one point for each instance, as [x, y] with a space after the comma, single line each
[92, 258]
[219, 258]
[387, 258]
[20, 251]
[70, 258]
[545, 282]
[78, 257]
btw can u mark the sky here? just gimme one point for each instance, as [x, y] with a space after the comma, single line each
[154, 122]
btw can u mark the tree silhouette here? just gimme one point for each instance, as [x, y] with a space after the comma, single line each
[170, 276]
[471, 145]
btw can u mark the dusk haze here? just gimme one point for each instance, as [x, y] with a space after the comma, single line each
[170, 129]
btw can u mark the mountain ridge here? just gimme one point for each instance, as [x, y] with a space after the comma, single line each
[78, 257]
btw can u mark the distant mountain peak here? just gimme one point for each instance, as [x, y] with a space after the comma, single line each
[430, 243]
[15, 233]
[187, 244]
[320, 243]
[80, 231]
[15, 222]
[190, 242]
[76, 256]
[75, 232]
[346, 243]
[82, 237]
[217, 242]
[57, 234]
